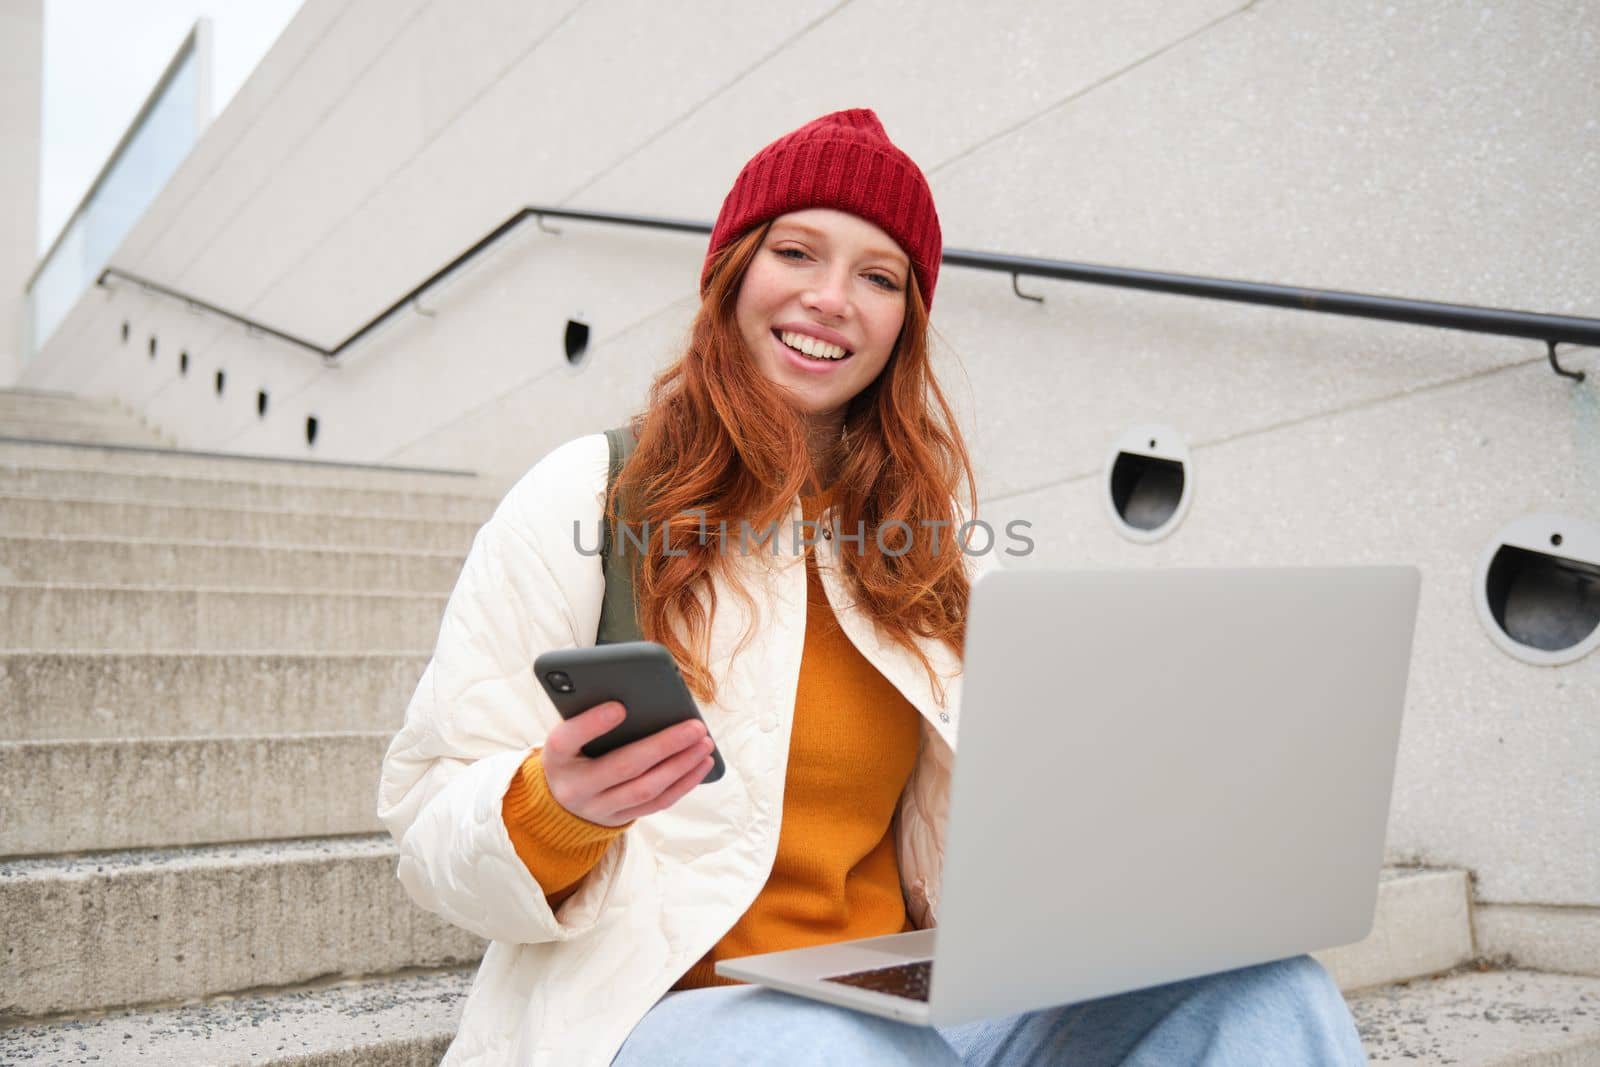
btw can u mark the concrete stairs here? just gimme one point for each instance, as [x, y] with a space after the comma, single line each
[53, 417]
[202, 659]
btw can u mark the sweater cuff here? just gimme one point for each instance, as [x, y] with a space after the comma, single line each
[556, 846]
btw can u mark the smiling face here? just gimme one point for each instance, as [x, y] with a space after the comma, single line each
[821, 305]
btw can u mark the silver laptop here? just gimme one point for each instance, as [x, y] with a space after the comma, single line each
[1161, 774]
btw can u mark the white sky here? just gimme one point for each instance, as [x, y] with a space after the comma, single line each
[102, 58]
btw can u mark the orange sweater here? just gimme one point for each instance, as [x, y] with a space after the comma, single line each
[836, 876]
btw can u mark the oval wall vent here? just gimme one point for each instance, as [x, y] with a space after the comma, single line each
[1538, 589]
[1149, 483]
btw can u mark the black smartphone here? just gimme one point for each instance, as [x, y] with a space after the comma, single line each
[641, 675]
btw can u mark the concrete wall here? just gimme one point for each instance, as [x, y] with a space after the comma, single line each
[21, 83]
[1436, 150]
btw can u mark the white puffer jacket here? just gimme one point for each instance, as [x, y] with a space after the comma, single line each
[566, 987]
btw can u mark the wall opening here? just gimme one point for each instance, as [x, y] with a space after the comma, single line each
[576, 341]
[311, 429]
[220, 379]
[1538, 589]
[1145, 490]
[261, 403]
[1543, 601]
[1148, 483]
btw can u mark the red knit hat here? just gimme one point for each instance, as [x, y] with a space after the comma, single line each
[844, 160]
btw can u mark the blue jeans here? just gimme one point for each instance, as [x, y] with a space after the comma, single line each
[1283, 1014]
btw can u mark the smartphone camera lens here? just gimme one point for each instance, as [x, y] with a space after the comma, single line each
[559, 681]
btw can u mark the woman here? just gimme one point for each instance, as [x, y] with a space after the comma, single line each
[827, 674]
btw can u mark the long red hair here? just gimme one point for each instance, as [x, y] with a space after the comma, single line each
[720, 438]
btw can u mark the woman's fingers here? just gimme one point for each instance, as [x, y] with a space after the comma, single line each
[650, 771]
[659, 788]
[679, 789]
[632, 760]
[566, 741]
[565, 765]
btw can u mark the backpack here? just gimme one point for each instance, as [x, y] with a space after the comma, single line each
[619, 619]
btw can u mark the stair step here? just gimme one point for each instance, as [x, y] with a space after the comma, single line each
[1396, 1021]
[17, 400]
[21, 423]
[1422, 926]
[154, 562]
[87, 695]
[51, 405]
[179, 462]
[1473, 1018]
[136, 619]
[47, 400]
[77, 796]
[114, 929]
[110, 483]
[410, 1019]
[1564, 938]
[400, 1021]
[39, 515]
[67, 433]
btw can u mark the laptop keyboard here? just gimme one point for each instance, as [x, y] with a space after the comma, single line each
[909, 980]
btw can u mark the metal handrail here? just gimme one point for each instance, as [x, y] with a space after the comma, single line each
[1551, 329]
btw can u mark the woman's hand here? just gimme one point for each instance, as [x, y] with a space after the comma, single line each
[637, 779]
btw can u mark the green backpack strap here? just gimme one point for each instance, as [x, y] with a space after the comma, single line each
[619, 619]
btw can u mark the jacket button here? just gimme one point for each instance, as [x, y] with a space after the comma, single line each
[827, 534]
[944, 716]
